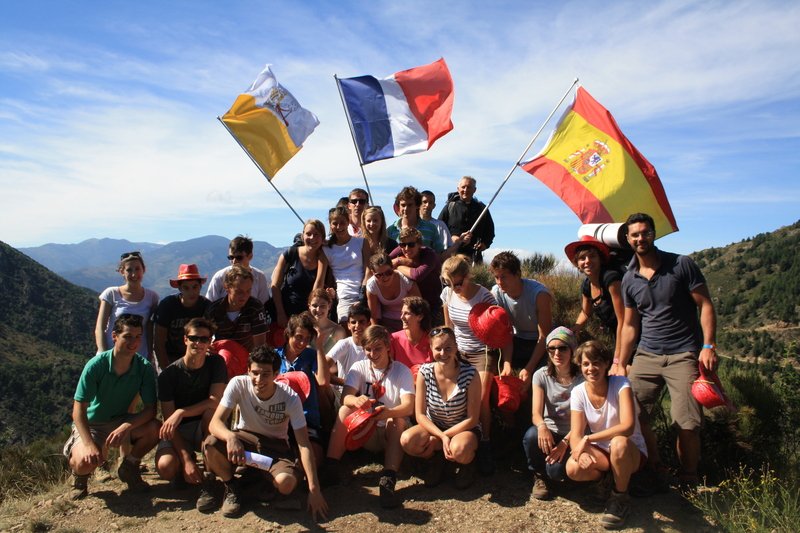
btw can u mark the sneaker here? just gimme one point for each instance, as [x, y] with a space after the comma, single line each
[388, 496]
[231, 504]
[205, 500]
[617, 509]
[485, 459]
[465, 475]
[80, 487]
[540, 489]
[435, 470]
[130, 474]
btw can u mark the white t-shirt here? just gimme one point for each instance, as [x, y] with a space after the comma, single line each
[390, 308]
[260, 290]
[347, 265]
[459, 310]
[266, 417]
[444, 232]
[608, 414]
[346, 353]
[119, 306]
[396, 381]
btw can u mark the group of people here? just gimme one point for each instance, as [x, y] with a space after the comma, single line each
[375, 326]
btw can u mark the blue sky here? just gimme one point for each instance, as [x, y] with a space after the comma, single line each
[108, 111]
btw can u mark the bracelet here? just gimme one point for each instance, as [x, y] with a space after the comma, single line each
[709, 347]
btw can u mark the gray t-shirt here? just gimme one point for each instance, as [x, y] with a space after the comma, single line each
[522, 310]
[670, 322]
[556, 399]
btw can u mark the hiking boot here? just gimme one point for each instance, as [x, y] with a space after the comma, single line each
[130, 474]
[602, 488]
[465, 475]
[540, 489]
[333, 473]
[231, 504]
[485, 459]
[103, 473]
[388, 496]
[616, 511]
[80, 487]
[205, 500]
[435, 470]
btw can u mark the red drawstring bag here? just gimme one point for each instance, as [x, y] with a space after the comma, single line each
[360, 428]
[298, 381]
[510, 392]
[234, 354]
[707, 390]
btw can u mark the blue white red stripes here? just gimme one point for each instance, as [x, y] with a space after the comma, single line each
[402, 114]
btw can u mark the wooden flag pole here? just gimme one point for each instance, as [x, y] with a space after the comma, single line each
[259, 168]
[353, 136]
[536, 136]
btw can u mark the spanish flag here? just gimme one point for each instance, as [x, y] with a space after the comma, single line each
[596, 170]
[268, 123]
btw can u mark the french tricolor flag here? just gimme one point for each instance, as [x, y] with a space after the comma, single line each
[402, 114]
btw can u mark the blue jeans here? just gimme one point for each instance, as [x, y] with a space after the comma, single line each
[536, 457]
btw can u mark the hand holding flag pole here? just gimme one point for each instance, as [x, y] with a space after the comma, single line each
[536, 136]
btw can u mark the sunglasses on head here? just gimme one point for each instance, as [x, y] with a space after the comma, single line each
[407, 244]
[201, 339]
[130, 254]
[360, 201]
[440, 331]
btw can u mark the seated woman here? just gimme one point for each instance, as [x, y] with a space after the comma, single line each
[447, 408]
[601, 290]
[614, 441]
[385, 292]
[328, 331]
[411, 345]
[546, 442]
[299, 270]
[421, 265]
[388, 389]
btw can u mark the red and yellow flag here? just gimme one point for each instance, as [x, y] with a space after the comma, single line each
[596, 170]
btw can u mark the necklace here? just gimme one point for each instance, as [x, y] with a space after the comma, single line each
[378, 390]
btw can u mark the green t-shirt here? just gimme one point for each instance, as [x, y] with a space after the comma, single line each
[108, 394]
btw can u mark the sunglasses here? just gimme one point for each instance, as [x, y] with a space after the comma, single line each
[201, 339]
[554, 349]
[441, 330]
[407, 244]
[453, 285]
[130, 254]
[385, 274]
[237, 257]
[360, 201]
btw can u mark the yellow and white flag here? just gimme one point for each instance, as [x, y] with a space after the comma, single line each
[269, 123]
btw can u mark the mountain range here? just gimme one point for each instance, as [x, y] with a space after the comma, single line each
[93, 263]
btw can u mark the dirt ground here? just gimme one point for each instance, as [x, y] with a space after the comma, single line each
[501, 502]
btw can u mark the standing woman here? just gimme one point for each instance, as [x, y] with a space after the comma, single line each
[614, 441]
[411, 345]
[546, 442]
[601, 290]
[132, 298]
[385, 292]
[346, 259]
[373, 224]
[447, 409]
[299, 270]
[459, 296]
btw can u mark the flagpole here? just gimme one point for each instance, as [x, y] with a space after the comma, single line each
[353, 136]
[536, 135]
[259, 168]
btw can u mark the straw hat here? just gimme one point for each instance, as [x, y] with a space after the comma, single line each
[298, 381]
[510, 391]
[707, 390]
[186, 273]
[587, 240]
[491, 324]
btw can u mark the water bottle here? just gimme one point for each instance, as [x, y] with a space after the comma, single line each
[257, 460]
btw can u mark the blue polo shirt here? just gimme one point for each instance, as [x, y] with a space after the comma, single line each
[108, 394]
[670, 321]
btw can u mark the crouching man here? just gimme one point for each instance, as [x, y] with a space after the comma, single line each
[265, 410]
[100, 419]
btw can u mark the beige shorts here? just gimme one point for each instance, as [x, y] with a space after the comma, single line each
[485, 361]
[650, 372]
[99, 432]
[283, 457]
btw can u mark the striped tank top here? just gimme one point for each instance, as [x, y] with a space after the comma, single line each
[446, 413]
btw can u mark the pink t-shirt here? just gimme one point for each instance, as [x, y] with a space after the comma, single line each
[411, 354]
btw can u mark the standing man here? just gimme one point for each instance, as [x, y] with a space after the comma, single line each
[238, 315]
[240, 253]
[408, 202]
[663, 293]
[100, 419]
[460, 213]
[357, 200]
[426, 213]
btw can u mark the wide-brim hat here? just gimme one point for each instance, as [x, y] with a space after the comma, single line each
[707, 390]
[234, 354]
[298, 381]
[491, 324]
[360, 427]
[186, 273]
[587, 240]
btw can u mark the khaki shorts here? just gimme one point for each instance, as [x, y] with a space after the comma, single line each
[99, 432]
[650, 372]
[283, 457]
[485, 361]
[192, 434]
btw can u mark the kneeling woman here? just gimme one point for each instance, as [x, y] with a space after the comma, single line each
[614, 441]
[448, 404]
